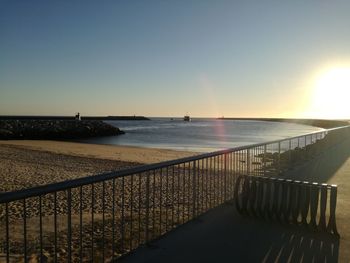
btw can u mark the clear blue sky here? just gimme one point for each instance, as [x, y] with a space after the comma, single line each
[166, 58]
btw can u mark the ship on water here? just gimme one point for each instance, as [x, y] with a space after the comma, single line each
[187, 118]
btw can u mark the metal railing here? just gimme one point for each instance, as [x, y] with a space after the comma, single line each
[100, 218]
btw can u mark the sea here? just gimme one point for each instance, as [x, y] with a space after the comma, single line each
[199, 135]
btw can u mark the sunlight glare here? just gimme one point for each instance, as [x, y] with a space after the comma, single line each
[331, 96]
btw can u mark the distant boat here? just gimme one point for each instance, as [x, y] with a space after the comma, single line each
[187, 118]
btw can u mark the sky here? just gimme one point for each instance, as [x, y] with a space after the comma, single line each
[170, 58]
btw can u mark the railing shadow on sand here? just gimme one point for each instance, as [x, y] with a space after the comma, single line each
[102, 217]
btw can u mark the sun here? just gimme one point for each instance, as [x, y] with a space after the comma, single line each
[331, 95]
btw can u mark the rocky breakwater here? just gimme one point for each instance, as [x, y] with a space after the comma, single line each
[55, 129]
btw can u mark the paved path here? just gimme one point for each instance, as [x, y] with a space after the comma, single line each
[222, 235]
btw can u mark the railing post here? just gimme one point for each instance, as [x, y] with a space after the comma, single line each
[7, 233]
[194, 196]
[55, 225]
[248, 161]
[113, 223]
[69, 223]
[225, 177]
[147, 205]
[264, 159]
[305, 148]
[279, 158]
[290, 154]
[25, 231]
[41, 229]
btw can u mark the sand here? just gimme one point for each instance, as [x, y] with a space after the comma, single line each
[25, 164]
[109, 152]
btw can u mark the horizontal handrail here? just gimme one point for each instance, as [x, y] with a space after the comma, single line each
[74, 183]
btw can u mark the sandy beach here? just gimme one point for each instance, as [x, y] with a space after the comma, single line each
[109, 152]
[29, 163]
[25, 164]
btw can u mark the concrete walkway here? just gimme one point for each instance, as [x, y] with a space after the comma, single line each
[222, 235]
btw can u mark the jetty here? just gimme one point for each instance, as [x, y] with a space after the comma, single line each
[41, 127]
[48, 129]
[54, 117]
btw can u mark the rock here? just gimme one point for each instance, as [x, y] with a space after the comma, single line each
[6, 133]
[55, 129]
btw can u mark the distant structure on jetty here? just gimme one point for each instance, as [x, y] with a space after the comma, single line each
[187, 118]
[77, 116]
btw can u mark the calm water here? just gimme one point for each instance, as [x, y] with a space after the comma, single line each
[201, 135]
